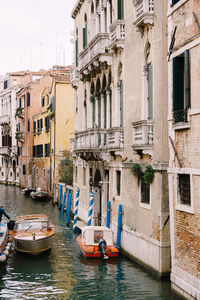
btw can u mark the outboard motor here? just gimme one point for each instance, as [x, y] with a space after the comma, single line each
[102, 248]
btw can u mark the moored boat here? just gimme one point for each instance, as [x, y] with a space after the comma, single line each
[39, 195]
[97, 241]
[27, 191]
[33, 233]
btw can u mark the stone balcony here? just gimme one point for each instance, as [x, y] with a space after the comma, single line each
[117, 34]
[143, 139]
[4, 150]
[14, 150]
[95, 52]
[20, 136]
[143, 12]
[4, 120]
[74, 77]
[97, 139]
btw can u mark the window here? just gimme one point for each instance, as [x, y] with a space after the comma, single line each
[42, 102]
[145, 192]
[44, 173]
[41, 124]
[184, 193]
[150, 91]
[34, 127]
[28, 99]
[5, 84]
[46, 120]
[181, 87]
[38, 125]
[24, 169]
[120, 9]
[174, 2]
[84, 176]
[47, 150]
[85, 32]
[28, 125]
[121, 104]
[76, 48]
[118, 182]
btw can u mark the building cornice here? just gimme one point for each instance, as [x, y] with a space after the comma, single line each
[76, 8]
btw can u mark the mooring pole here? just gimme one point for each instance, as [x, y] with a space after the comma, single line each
[119, 227]
[76, 209]
[64, 199]
[108, 215]
[90, 208]
[60, 197]
[69, 207]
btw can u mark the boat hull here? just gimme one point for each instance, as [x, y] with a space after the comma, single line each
[39, 196]
[31, 246]
[93, 251]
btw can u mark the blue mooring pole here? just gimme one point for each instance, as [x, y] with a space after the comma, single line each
[69, 207]
[63, 204]
[90, 208]
[76, 209]
[60, 197]
[119, 226]
[68, 191]
[108, 215]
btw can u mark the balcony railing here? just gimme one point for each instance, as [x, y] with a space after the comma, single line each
[97, 139]
[74, 77]
[143, 12]
[117, 34]
[94, 49]
[143, 135]
[20, 136]
[20, 112]
[4, 150]
[4, 120]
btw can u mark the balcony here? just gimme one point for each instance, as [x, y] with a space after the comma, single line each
[117, 34]
[4, 150]
[97, 139]
[74, 77]
[14, 150]
[143, 136]
[20, 136]
[143, 12]
[4, 120]
[20, 112]
[96, 50]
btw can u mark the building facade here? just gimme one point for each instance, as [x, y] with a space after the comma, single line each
[184, 138]
[120, 82]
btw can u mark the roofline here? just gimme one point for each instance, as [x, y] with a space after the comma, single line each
[76, 8]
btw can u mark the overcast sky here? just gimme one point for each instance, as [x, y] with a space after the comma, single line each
[35, 34]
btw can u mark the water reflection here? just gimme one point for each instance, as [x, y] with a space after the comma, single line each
[63, 273]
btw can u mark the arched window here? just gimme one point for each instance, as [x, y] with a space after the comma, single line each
[85, 32]
[85, 108]
[98, 19]
[110, 88]
[121, 90]
[92, 98]
[105, 100]
[149, 79]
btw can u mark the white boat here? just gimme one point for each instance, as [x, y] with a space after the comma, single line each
[33, 233]
[39, 195]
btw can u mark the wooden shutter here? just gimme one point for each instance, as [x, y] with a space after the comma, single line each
[186, 79]
[120, 9]
[28, 99]
[178, 83]
[150, 92]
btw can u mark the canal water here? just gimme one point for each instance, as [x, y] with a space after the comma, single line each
[63, 273]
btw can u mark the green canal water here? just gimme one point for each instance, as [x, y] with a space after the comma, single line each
[63, 273]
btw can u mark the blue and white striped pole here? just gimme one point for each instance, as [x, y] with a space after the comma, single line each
[90, 208]
[60, 197]
[76, 209]
[64, 199]
[119, 226]
[69, 207]
[108, 215]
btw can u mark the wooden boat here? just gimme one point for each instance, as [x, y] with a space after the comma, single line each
[5, 242]
[39, 195]
[27, 191]
[33, 233]
[97, 241]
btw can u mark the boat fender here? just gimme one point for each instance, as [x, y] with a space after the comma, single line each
[102, 247]
[2, 258]
[6, 252]
[8, 247]
[33, 234]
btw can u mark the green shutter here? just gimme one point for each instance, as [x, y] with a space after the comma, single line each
[186, 79]
[93, 111]
[150, 92]
[77, 53]
[120, 9]
[178, 83]
[85, 36]
[121, 104]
